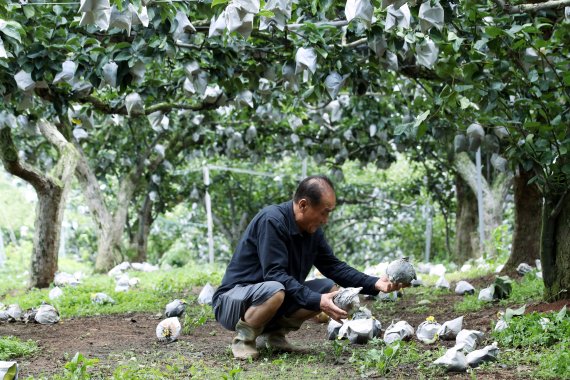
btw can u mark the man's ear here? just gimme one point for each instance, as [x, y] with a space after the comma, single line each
[303, 204]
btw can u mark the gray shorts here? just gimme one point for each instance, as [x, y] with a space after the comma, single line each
[233, 304]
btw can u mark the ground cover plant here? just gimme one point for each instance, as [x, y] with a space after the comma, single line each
[118, 342]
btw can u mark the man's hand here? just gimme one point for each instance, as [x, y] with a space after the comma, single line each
[328, 306]
[385, 286]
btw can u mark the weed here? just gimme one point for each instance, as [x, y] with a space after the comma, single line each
[536, 329]
[233, 374]
[196, 317]
[529, 288]
[469, 303]
[155, 290]
[11, 347]
[378, 359]
[338, 348]
[76, 368]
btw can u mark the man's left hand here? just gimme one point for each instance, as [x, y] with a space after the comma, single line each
[385, 286]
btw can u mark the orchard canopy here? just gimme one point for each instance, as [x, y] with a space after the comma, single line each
[124, 92]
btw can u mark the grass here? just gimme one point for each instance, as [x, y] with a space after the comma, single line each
[154, 291]
[11, 347]
[15, 272]
[543, 347]
[528, 289]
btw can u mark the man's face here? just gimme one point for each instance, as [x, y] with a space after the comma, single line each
[315, 216]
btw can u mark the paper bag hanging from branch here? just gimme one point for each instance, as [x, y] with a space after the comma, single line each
[359, 9]
[430, 16]
[306, 59]
[134, 104]
[334, 83]
[400, 17]
[67, 72]
[95, 12]
[24, 81]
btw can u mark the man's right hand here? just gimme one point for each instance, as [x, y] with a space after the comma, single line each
[328, 306]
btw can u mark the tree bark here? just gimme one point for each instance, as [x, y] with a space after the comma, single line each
[109, 250]
[527, 223]
[466, 241]
[493, 198]
[51, 190]
[110, 226]
[145, 221]
[555, 247]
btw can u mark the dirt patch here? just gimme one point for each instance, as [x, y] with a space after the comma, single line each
[545, 307]
[112, 338]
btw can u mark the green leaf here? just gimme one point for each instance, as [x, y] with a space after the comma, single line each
[29, 11]
[403, 128]
[533, 76]
[462, 87]
[515, 29]
[218, 2]
[322, 52]
[11, 29]
[266, 13]
[510, 313]
[502, 287]
[464, 102]
[122, 45]
[420, 119]
[493, 31]
[123, 56]
[561, 314]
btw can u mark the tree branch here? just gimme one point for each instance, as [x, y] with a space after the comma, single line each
[521, 8]
[106, 108]
[15, 166]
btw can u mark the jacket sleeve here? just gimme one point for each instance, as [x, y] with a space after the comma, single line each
[342, 273]
[274, 258]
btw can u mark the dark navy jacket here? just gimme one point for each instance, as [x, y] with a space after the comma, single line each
[274, 249]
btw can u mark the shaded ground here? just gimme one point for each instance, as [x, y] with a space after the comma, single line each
[121, 339]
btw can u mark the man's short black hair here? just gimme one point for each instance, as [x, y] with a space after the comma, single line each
[312, 188]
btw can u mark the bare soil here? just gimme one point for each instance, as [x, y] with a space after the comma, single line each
[115, 336]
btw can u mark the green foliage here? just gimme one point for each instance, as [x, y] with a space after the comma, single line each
[17, 210]
[555, 362]
[380, 359]
[338, 348]
[502, 237]
[154, 291]
[233, 374]
[76, 368]
[469, 303]
[196, 317]
[529, 288]
[502, 287]
[536, 329]
[12, 347]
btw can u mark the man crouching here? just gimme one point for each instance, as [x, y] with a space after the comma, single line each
[264, 292]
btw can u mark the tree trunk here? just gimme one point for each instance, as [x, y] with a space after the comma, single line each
[527, 223]
[109, 248]
[110, 226]
[51, 190]
[143, 231]
[493, 198]
[46, 236]
[555, 247]
[466, 241]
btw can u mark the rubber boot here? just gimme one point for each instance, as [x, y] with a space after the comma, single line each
[276, 340]
[243, 345]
